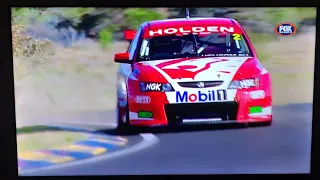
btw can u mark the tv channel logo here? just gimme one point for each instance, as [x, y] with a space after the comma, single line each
[285, 29]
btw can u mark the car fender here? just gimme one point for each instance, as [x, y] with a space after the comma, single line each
[123, 73]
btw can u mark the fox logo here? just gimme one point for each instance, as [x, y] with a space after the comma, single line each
[285, 29]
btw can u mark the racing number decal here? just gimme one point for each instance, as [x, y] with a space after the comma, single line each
[222, 94]
[236, 37]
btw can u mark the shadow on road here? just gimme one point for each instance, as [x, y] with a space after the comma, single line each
[178, 129]
[279, 111]
[280, 116]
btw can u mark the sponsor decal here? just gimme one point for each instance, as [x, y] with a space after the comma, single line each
[257, 94]
[285, 29]
[157, 87]
[201, 96]
[143, 99]
[236, 37]
[255, 109]
[244, 83]
[247, 83]
[227, 55]
[145, 114]
[187, 68]
[194, 30]
[153, 86]
[196, 121]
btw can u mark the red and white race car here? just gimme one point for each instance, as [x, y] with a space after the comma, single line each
[191, 71]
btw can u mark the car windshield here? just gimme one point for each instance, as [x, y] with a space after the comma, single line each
[193, 45]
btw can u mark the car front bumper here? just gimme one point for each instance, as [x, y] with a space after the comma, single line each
[244, 109]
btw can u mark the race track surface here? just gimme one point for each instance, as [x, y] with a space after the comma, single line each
[282, 148]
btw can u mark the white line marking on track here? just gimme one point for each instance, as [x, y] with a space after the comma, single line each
[148, 141]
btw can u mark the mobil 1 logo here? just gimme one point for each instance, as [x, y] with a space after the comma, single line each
[222, 94]
[201, 96]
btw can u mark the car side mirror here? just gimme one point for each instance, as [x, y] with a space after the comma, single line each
[129, 34]
[122, 58]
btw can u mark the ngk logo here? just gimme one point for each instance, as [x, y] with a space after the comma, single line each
[187, 30]
[153, 86]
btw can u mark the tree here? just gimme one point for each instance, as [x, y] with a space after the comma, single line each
[181, 12]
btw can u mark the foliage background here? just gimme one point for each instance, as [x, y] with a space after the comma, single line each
[68, 25]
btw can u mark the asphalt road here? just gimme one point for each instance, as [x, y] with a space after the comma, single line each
[283, 147]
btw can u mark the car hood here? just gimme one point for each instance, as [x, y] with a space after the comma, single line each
[197, 69]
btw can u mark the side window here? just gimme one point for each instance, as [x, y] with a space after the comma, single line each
[128, 50]
[243, 45]
[133, 44]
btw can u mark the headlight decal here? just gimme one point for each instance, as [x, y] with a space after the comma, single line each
[247, 83]
[244, 83]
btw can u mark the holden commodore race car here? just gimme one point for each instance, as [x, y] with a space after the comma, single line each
[191, 71]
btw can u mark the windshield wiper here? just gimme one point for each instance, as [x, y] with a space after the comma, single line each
[228, 42]
[195, 45]
[144, 58]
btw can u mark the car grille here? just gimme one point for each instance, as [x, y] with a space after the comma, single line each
[205, 83]
[225, 110]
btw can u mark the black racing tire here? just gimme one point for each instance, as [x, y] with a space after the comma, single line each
[120, 124]
[269, 123]
[124, 127]
[260, 124]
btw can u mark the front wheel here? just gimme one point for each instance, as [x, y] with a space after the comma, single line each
[123, 122]
[124, 125]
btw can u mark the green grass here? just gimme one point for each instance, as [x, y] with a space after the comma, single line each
[136, 16]
[33, 129]
[292, 88]
[272, 16]
[73, 13]
[283, 77]
[105, 38]
[50, 139]
[276, 15]
[27, 15]
[31, 138]
[293, 15]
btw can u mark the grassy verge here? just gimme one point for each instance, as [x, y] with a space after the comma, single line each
[292, 88]
[74, 79]
[33, 129]
[260, 40]
[291, 64]
[40, 137]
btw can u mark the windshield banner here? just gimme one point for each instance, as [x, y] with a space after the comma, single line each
[190, 29]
